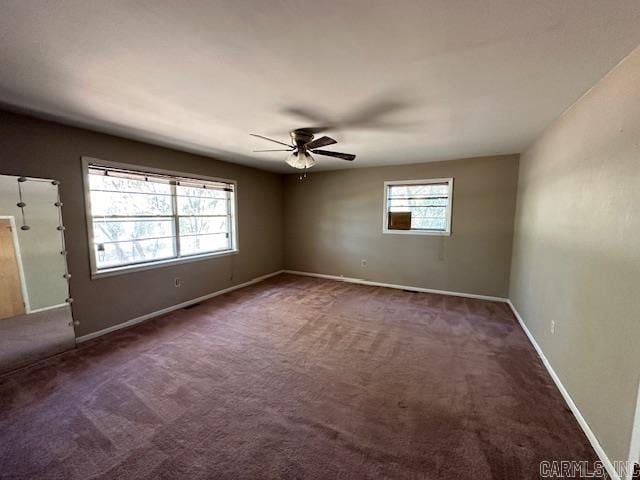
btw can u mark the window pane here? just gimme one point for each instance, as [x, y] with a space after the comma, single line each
[136, 215]
[129, 204]
[438, 212]
[204, 243]
[131, 229]
[425, 202]
[203, 225]
[202, 206]
[104, 182]
[200, 192]
[418, 190]
[426, 223]
[124, 253]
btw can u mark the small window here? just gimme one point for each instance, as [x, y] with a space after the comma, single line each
[421, 207]
[138, 219]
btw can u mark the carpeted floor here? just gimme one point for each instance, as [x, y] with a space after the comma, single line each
[25, 339]
[294, 377]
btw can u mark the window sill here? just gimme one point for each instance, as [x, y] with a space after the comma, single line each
[417, 232]
[110, 272]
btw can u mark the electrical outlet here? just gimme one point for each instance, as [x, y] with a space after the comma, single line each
[553, 326]
[177, 282]
[363, 262]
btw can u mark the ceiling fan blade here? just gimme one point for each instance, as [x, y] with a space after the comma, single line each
[319, 122]
[320, 142]
[375, 111]
[307, 113]
[271, 140]
[319, 128]
[343, 156]
[277, 150]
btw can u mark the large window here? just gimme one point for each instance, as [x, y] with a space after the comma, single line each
[140, 218]
[418, 206]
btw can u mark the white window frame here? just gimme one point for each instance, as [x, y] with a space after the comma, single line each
[108, 272]
[385, 207]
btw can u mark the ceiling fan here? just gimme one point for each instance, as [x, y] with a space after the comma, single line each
[303, 145]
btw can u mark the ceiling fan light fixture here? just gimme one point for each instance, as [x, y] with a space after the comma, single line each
[294, 160]
[309, 161]
[301, 160]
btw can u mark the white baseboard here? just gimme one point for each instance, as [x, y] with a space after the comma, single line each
[157, 313]
[399, 287]
[567, 398]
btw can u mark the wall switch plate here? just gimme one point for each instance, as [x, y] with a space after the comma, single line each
[553, 326]
[177, 282]
[363, 262]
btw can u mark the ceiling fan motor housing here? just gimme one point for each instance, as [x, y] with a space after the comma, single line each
[301, 137]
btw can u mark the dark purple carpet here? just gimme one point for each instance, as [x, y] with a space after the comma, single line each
[294, 377]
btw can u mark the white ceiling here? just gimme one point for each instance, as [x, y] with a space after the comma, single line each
[455, 78]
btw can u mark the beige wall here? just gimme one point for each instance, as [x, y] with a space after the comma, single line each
[43, 149]
[334, 220]
[40, 246]
[576, 254]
